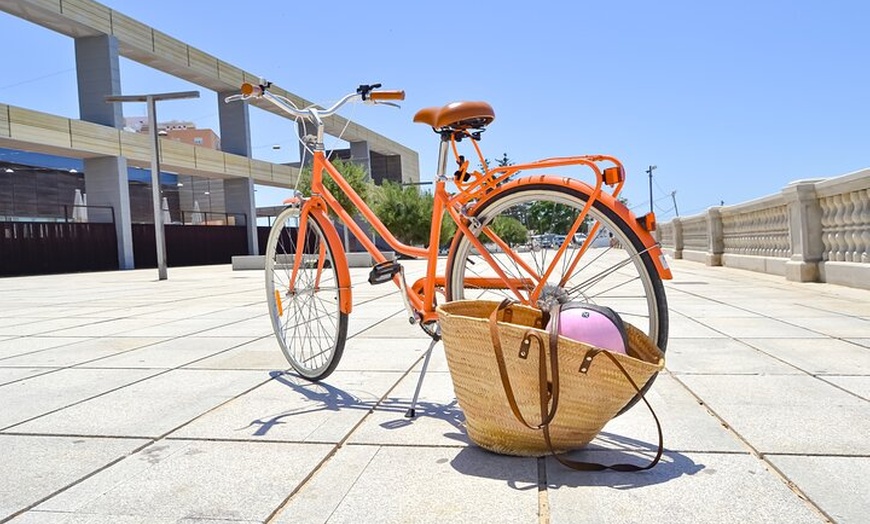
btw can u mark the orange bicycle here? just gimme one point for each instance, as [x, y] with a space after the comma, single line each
[531, 237]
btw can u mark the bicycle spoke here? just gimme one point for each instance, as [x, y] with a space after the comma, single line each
[623, 278]
[594, 279]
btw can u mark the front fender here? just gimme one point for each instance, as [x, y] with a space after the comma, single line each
[345, 298]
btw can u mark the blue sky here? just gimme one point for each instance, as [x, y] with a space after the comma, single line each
[731, 100]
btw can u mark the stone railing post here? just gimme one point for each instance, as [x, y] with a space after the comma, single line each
[715, 237]
[678, 237]
[804, 231]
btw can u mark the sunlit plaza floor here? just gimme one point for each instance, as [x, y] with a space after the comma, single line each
[128, 399]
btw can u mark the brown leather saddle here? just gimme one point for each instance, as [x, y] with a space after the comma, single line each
[457, 116]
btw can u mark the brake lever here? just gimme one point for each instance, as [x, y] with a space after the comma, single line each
[389, 104]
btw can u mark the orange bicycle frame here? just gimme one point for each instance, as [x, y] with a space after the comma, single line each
[471, 196]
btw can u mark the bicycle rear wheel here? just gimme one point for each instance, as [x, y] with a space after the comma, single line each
[615, 271]
[310, 327]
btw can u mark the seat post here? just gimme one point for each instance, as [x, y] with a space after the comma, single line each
[443, 148]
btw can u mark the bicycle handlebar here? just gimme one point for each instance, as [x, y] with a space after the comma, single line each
[365, 93]
[386, 95]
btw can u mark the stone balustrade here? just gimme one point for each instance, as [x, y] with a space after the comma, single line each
[812, 231]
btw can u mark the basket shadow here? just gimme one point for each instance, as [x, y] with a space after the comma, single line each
[606, 449]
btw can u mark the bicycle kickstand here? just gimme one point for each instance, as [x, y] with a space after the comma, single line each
[411, 413]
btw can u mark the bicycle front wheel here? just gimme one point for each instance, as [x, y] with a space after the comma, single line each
[615, 271]
[304, 309]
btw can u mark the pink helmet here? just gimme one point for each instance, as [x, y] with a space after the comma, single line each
[597, 326]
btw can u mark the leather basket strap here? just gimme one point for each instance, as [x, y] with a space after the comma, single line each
[548, 408]
[594, 466]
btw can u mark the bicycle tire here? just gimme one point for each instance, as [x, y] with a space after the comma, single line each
[624, 278]
[307, 321]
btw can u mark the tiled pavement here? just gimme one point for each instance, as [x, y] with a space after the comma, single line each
[128, 400]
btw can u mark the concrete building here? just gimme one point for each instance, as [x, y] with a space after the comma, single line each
[111, 159]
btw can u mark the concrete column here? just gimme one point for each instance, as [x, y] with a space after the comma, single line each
[239, 198]
[106, 185]
[235, 126]
[99, 74]
[715, 237]
[678, 238]
[359, 153]
[236, 138]
[804, 230]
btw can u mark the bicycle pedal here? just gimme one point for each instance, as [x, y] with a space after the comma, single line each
[384, 272]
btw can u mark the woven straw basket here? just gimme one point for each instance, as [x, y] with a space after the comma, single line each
[586, 401]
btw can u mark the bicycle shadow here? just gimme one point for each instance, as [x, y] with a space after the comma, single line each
[520, 473]
[607, 448]
[322, 396]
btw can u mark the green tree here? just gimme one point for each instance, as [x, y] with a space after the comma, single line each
[448, 230]
[504, 161]
[510, 230]
[353, 173]
[405, 211]
[550, 217]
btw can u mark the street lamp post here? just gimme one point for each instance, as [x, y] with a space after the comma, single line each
[151, 103]
[649, 172]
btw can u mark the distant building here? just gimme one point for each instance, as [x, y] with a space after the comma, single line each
[177, 130]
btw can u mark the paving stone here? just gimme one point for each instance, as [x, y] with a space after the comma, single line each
[726, 356]
[262, 353]
[148, 408]
[758, 328]
[8, 375]
[787, 414]
[57, 326]
[817, 356]
[196, 480]
[289, 408]
[838, 485]
[35, 467]
[393, 327]
[169, 353]
[692, 487]
[700, 308]
[859, 385]
[439, 420]
[253, 328]
[42, 394]
[183, 327]
[382, 354]
[80, 352]
[687, 426]
[421, 485]
[58, 517]
[841, 326]
[685, 327]
[14, 346]
[107, 328]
